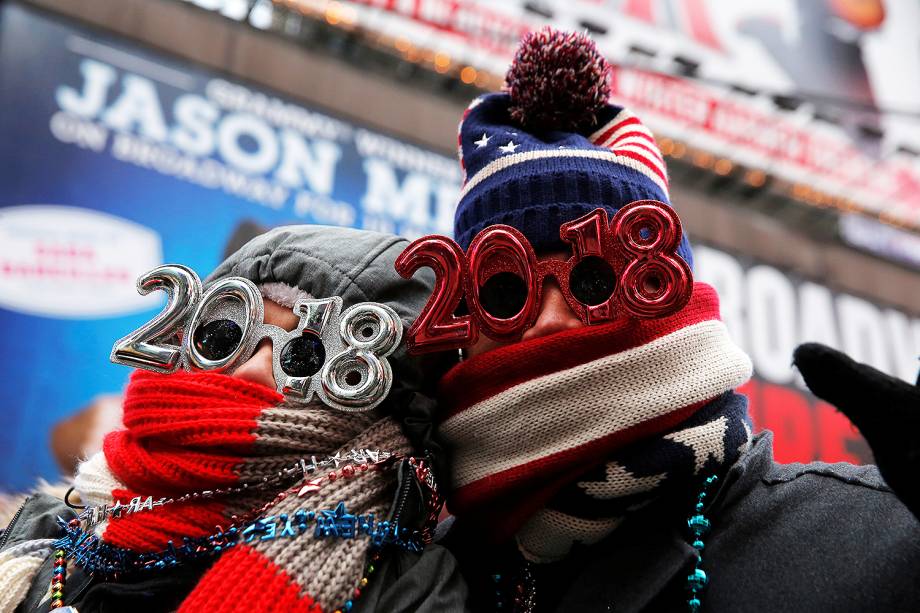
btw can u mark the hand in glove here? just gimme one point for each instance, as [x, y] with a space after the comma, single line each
[885, 409]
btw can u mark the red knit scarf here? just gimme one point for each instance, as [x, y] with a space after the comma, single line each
[525, 420]
[184, 433]
[188, 433]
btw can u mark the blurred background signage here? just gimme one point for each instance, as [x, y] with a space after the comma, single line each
[114, 160]
[787, 120]
[811, 90]
[769, 313]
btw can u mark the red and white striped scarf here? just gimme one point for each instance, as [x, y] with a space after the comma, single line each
[524, 421]
[189, 432]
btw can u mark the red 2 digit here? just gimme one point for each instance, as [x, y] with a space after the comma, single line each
[437, 328]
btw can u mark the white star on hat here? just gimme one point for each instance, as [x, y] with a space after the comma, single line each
[509, 148]
[482, 142]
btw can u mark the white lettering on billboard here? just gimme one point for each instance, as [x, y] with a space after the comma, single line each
[771, 322]
[769, 313]
[311, 164]
[97, 78]
[259, 148]
[138, 107]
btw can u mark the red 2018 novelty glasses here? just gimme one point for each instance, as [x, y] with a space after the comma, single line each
[627, 266]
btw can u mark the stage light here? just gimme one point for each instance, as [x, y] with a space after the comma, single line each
[468, 75]
[723, 167]
[334, 14]
[402, 45]
[666, 146]
[702, 159]
[441, 62]
[755, 178]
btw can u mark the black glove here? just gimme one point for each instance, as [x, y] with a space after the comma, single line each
[886, 411]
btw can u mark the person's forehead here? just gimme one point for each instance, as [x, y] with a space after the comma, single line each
[280, 315]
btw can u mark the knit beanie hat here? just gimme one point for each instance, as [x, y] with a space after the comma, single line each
[551, 149]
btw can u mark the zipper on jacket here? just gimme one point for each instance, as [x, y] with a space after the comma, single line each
[9, 528]
[402, 496]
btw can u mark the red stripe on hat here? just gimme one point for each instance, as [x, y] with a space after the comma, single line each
[573, 347]
[633, 134]
[644, 161]
[655, 153]
[267, 589]
[650, 160]
[615, 127]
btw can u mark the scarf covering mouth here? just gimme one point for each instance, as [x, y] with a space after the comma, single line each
[190, 432]
[524, 421]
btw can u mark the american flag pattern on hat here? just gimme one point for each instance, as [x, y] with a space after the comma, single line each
[535, 181]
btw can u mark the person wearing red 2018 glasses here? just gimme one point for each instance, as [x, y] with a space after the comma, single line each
[600, 459]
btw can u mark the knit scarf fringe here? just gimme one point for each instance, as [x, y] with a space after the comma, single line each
[18, 566]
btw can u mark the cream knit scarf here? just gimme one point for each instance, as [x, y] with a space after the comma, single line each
[553, 440]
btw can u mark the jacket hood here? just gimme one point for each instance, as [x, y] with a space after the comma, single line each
[356, 265]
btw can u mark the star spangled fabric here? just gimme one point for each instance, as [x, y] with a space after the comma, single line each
[587, 509]
[537, 180]
[529, 420]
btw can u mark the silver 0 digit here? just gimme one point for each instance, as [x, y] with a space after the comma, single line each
[224, 300]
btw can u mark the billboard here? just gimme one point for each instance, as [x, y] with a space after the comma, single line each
[113, 160]
[769, 312]
[812, 91]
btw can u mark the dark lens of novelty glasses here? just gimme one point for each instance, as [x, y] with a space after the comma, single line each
[503, 295]
[303, 356]
[592, 281]
[217, 339]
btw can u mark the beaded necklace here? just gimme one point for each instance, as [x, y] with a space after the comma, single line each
[59, 577]
[521, 597]
[99, 558]
[699, 526]
[354, 460]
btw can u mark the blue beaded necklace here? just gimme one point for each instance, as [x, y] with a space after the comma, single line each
[522, 597]
[698, 525]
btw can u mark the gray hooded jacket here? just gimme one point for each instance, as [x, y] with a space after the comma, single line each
[324, 261]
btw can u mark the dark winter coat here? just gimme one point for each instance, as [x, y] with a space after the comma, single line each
[803, 538]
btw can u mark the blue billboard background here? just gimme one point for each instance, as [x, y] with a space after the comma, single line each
[114, 159]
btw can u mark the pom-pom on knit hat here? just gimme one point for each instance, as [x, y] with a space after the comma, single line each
[551, 149]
